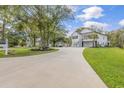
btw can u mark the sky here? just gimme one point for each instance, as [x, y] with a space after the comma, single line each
[108, 17]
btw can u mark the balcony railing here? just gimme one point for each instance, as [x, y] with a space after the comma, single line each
[88, 40]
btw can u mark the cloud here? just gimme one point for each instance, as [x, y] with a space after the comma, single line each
[91, 12]
[121, 22]
[99, 25]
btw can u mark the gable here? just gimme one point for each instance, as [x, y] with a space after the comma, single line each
[75, 34]
[85, 31]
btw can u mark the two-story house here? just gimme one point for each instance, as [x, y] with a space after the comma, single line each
[88, 38]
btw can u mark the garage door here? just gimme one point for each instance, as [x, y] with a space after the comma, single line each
[87, 44]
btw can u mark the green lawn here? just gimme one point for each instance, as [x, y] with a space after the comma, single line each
[16, 52]
[108, 64]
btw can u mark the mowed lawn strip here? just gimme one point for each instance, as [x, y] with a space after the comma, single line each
[108, 64]
[17, 52]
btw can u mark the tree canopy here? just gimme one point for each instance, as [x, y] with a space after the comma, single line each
[41, 22]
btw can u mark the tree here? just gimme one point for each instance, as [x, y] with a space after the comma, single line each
[116, 38]
[82, 28]
[67, 41]
[4, 17]
[48, 19]
[93, 36]
[121, 40]
[44, 22]
[26, 23]
[16, 39]
[62, 13]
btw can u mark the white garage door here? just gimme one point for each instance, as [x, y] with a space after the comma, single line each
[87, 44]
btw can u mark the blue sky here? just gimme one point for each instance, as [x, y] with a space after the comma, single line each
[111, 17]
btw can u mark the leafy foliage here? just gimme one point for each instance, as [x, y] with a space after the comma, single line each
[116, 38]
[36, 21]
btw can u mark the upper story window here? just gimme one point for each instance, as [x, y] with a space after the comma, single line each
[75, 37]
[86, 37]
[103, 38]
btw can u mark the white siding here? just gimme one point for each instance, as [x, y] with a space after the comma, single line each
[102, 40]
[76, 42]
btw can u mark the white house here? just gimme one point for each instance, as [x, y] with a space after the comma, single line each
[83, 39]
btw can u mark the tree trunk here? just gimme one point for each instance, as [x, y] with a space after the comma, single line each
[40, 43]
[3, 34]
[54, 43]
[43, 45]
[48, 39]
[44, 41]
[34, 40]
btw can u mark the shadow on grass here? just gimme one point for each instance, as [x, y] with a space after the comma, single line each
[20, 52]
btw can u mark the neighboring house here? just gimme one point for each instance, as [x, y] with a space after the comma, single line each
[62, 44]
[83, 38]
[29, 43]
[59, 44]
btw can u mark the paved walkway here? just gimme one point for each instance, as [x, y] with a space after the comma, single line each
[65, 68]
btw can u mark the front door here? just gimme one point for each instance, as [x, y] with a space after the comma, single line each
[82, 43]
[95, 43]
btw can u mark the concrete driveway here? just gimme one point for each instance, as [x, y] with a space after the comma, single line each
[64, 69]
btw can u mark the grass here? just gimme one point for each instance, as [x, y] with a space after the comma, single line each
[108, 64]
[17, 52]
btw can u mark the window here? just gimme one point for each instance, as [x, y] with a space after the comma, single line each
[85, 37]
[75, 37]
[103, 38]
